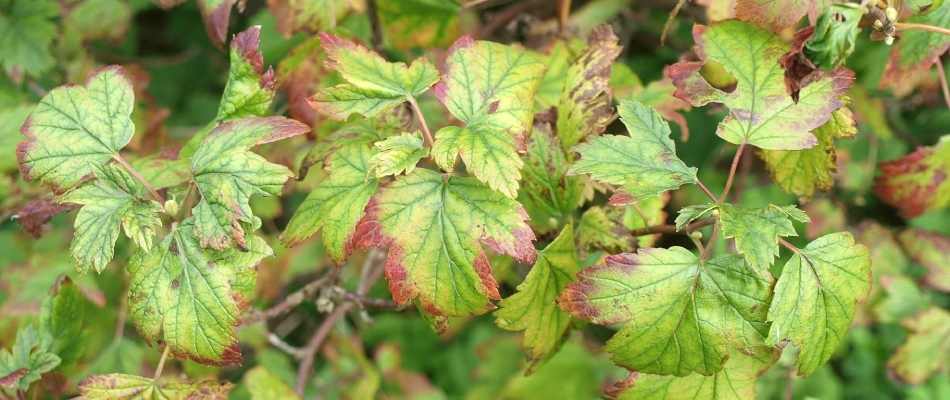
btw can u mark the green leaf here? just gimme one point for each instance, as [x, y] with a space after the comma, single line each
[559, 58]
[761, 113]
[929, 250]
[398, 154]
[264, 385]
[61, 320]
[188, 293]
[132, 387]
[227, 174]
[533, 308]
[736, 381]
[691, 213]
[26, 32]
[108, 204]
[249, 91]
[420, 23]
[311, 16]
[356, 132]
[100, 19]
[490, 87]
[801, 172]
[74, 128]
[11, 118]
[779, 14]
[816, 296]
[375, 85]
[434, 226]
[914, 55]
[916, 183]
[547, 193]
[336, 205]
[835, 35]
[26, 361]
[757, 230]
[601, 229]
[682, 314]
[904, 298]
[926, 350]
[642, 165]
[584, 108]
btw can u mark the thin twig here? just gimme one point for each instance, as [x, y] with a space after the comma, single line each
[671, 228]
[669, 20]
[708, 193]
[710, 243]
[135, 173]
[276, 341]
[745, 166]
[310, 352]
[293, 300]
[943, 82]
[425, 128]
[906, 26]
[161, 365]
[789, 246]
[377, 28]
[186, 201]
[732, 172]
[370, 302]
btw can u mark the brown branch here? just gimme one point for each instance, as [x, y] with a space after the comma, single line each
[789, 246]
[904, 26]
[943, 82]
[293, 300]
[135, 173]
[377, 28]
[370, 302]
[732, 172]
[429, 140]
[671, 228]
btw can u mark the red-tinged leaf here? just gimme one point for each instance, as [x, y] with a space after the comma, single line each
[311, 16]
[917, 51]
[930, 250]
[917, 183]
[435, 227]
[37, 214]
[302, 73]
[216, 15]
[11, 379]
[584, 108]
[761, 113]
[779, 14]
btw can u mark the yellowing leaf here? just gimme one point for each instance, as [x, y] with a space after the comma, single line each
[927, 349]
[602, 229]
[917, 50]
[584, 108]
[490, 87]
[375, 85]
[779, 14]
[761, 113]
[398, 154]
[643, 164]
[681, 315]
[26, 32]
[435, 226]
[188, 293]
[917, 183]
[336, 205]
[227, 174]
[75, 127]
[311, 15]
[108, 203]
[264, 385]
[757, 230]
[420, 23]
[533, 308]
[100, 19]
[929, 250]
[816, 296]
[132, 387]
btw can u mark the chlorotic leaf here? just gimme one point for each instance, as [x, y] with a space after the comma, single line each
[249, 91]
[533, 308]
[398, 154]
[375, 85]
[736, 381]
[26, 361]
[558, 59]
[816, 296]
[546, 191]
[681, 314]
[26, 32]
[420, 23]
[490, 87]
[434, 226]
[801, 172]
[929, 250]
[188, 293]
[227, 174]
[75, 127]
[761, 113]
[642, 164]
[601, 229]
[264, 385]
[311, 16]
[336, 205]
[757, 230]
[917, 51]
[216, 15]
[357, 132]
[301, 73]
[133, 387]
[917, 183]
[108, 204]
[61, 320]
[779, 14]
[927, 349]
[584, 108]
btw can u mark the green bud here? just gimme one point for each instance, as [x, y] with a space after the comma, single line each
[878, 25]
[171, 207]
[696, 235]
[891, 14]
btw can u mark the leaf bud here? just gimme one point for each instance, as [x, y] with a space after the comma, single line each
[891, 14]
[696, 235]
[872, 3]
[171, 207]
[878, 25]
[888, 40]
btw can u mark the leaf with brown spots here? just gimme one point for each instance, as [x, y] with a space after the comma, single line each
[584, 108]
[132, 387]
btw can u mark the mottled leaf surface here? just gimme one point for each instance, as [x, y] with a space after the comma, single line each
[917, 183]
[311, 16]
[816, 296]
[549, 195]
[779, 14]
[584, 107]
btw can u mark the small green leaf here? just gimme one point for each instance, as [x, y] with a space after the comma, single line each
[74, 128]
[420, 23]
[904, 298]
[435, 226]
[108, 204]
[336, 205]
[490, 87]
[757, 230]
[188, 293]
[926, 350]
[533, 308]
[681, 314]
[691, 213]
[227, 174]
[26, 361]
[26, 32]
[584, 108]
[835, 35]
[558, 59]
[375, 85]
[264, 385]
[736, 381]
[61, 318]
[132, 387]
[643, 164]
[398, 154]
[917, 183]
[816, 296]
[761, 113]
[914, 55]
